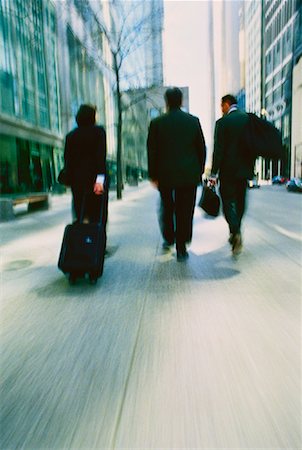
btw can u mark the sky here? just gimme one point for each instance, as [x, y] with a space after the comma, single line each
[186, 54]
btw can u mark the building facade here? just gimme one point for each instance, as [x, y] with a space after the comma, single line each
[253, 66]
[30, 120]
[48, 67]
[272, 30]
[136, 36]
[296, 128]
[154, 49]
[54, 55]
[296, 131]
[82, 61]
[280, 19]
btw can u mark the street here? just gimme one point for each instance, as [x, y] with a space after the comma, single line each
[203, 354]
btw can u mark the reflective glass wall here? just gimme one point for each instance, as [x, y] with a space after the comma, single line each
[29, 95]
[29, 86]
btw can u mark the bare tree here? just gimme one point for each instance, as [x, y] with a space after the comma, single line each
[128, 34]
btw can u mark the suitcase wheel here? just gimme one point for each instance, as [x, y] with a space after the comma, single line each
[93, 278]
[72, 279]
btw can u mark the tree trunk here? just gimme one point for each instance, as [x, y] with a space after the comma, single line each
[119, 172]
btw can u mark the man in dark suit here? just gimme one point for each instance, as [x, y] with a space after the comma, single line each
[85, 163]
[176, 159]
[233, 166]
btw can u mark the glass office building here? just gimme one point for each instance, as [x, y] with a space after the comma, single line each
[85, 78]
[29, 96]
[280, 20]
[49, 64]
[52, 59]
[272, 35]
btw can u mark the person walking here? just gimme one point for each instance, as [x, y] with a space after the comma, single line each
[176, 159]
[85, 164]
[232, 166]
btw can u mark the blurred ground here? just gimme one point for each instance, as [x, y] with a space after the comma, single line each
[159, 354]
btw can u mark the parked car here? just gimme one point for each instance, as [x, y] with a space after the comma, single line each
[279, 179]
[294, 185]
[252, 184]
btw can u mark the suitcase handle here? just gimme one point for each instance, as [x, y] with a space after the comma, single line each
[103, 201]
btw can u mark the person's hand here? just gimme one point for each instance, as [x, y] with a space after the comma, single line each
[154, 183]
[212, 181]
[98, 188]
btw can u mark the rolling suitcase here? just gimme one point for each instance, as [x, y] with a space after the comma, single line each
[83, 247]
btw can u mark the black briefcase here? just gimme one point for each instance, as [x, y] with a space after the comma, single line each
[209, 200]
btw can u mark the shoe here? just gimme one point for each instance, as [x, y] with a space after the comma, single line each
[236, 244]
[182, 256]
[166, 247]
[181, 253]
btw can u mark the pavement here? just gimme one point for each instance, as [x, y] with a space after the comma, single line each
[160, 354]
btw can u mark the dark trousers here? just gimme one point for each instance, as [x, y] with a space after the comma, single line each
[233, 195]
[176, 214]
[95, 207]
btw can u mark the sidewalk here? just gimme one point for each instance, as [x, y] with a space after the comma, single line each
[128, 190]
[159, 354]
[59, 210]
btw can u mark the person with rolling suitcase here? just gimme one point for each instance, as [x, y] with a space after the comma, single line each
[84, 171]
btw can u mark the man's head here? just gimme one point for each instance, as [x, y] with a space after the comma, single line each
[226, 102]
[86, 115]
[173, 98]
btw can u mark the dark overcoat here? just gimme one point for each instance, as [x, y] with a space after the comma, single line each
[85, 155]
[176, 149]
[230, 158]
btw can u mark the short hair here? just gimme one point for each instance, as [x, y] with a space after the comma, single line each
[230, 99]
[86, 115]
[173, 97]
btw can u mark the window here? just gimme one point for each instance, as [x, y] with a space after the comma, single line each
[269, 85]
[277, 94]
[52, 70]
[6, 68]
[269, 66]
[277, 54]
[277, 78]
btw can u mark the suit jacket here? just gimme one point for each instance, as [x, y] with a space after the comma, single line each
[176, 149]
[85, 155]
[230, 159]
